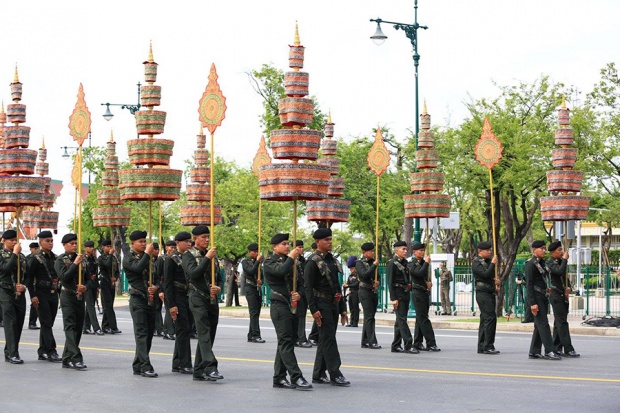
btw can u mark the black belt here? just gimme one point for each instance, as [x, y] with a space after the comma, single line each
[180, 285]
[403, 286]
[280, 295]
[540, 290]
[44, 283]
[333, 298]
[192, 287]
[485, 287]
[366, 285]
[252, 283]
[419, 287]
[69, 290]
[136, 292]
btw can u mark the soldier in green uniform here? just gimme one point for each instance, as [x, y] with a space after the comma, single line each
[198, 263]
[353, 284]
[365, 268]
[141, 301]
[483, 269]
[537, 279]
[420, 293]
[32, 318]
[177, 304]
[302, 306]
[108, 275]
[250, 267]
[169, 248]
[12, 295]
[67, 267]
[279, 275]
[43, 286]
[325, 301]
[445, 278]
[399, 287]
[560, 289]
[90, 270]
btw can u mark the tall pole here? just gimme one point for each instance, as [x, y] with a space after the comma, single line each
[417, 233]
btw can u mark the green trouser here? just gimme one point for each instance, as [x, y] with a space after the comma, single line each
[285, 324]
[206, 316]
[73, 322]
[327, 354]
[369, 302]
[252, 295]
[423, 328]
[48, 308]
[13, 314]
[488, 320]
[90, 296]
[182, 355]
[143, 317]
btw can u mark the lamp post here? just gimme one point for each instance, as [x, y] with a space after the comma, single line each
[108, 115]
[411, 31]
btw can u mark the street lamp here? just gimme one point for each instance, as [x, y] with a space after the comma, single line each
[108, 115]
[411, 31]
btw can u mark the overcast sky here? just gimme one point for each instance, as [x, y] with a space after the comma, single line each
[469, 44]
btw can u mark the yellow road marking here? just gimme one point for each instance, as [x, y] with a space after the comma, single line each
[376, 368]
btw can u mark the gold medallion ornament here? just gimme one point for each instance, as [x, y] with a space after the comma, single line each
[378, 157]
[212, 105]
[79, 121]
[488, 149]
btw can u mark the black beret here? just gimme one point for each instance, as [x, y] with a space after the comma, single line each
[400, 244]
[183, 236]
[368, 246]
[322, 233]
[45, 234]
[33, 245]
[68, 238]
[538, 244]
[554, 246]
[106, 243]
[200, 229]
[485, 245]
[9, 234]
[170, 243]
[89, 243]
[418, 246]
[253, 247]
[136, 235]
[313, 246]
[155, 246]
[278, 238]
[299, 243]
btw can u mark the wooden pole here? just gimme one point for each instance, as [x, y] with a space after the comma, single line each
[162, 248]
[427, 250]
[260, 230]
[79, 231]
[19, 261]
[212, 214]
[377, 227]
[294, 303]
[493, 218]
[150, 227]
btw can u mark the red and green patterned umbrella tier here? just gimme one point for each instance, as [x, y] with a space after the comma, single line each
[564, 181]
[332, 210]
[329, 130]
[42, 168]
[426, 181]
[16, 113]
[287, 181]
[150, 184]
[48, 200]
[295, 111]
[201, 157]
[200, 214]
[563, 157]
[111, 147]
[198, 192]
[42, 156]
[296, 83]
[111, 217]
[295, 143]
[329, 147]
[296, 57]
[109, 197]
[150, 95]
[333, 163]
[150, 151]
[16, 91]
[336, 187]
[150, 72]
[21, 190]
[150, 122]
[427, 159]
[17, 136]
[426, 139]
[427, 206]
[40, 219]
[111, 161]
[18, 161]
[564, 207]
[109, 178]
[201, 141]
[564, 116]
[200, 174]
[564, 136]
[425, 121]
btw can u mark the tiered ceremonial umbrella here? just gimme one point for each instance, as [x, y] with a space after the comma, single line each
[260, 159]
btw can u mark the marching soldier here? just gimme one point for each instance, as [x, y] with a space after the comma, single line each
[250, 267]
[537, 279]
[169, 248]
[158, 275]
[399, 285]
[302, 305]
[108, 271]
[32, 318]
[42, 283]
[279, 275]
[365, 269]
[141, 301]
[325, 301]
[67, 267]
[177, 304]
[90, 270]
[483, 269]
[445, 278]
[197, 263]
[353, 284]
[12, 295]
[420, 293]
[559, 300]
[313, 337]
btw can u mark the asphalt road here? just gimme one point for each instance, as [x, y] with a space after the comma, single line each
[454, 380]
